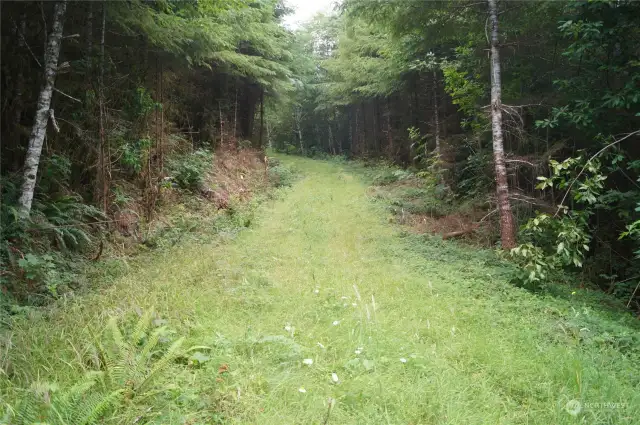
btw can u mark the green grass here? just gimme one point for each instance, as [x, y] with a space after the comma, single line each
[443, 338]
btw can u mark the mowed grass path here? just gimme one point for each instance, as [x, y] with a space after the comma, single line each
[417, 331]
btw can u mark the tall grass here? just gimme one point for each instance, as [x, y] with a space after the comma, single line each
[399, 328]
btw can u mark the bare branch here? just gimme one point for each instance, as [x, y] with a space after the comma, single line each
[564, 198]
[64, 94]
[52, 117]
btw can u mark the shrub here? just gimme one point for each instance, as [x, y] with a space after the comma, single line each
[391, 175]
[189, 171]
[281, 176]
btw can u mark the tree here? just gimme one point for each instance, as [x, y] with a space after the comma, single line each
[507, 225]
[43, 113]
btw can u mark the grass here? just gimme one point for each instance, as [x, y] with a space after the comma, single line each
[441, 336]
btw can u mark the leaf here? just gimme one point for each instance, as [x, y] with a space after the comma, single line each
[199, 358]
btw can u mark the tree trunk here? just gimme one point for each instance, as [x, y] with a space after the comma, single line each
[221, 125]
[436, 112]
[89, 40]
[298, 119]
[235, 114]
[507, 225]
[261, 117]
[389, 133]
[268, 128]
[39, 129]
[105, 157]
[161, 154]
[331, 147]
[19, 85]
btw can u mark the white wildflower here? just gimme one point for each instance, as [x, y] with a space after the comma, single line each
[403, 360]
[359, 350]
[320, 345]
[334, 377]
[308, 362]
[302, 390]
[336, 322]
[354, 304]
[287, 328]
[316, 291]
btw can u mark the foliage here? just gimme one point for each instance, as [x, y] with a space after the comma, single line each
[127, 377]
[281, 175]
[189, 171]
[135, 77]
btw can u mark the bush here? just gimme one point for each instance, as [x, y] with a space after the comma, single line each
[36, 254]
[189, 171]
[391, 175]
[281, 176]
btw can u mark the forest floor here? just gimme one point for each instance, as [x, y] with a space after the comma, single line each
[323, 312]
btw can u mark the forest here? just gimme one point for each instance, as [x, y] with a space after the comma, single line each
[504, 131]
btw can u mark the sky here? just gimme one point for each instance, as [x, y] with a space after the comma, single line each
[304, 10]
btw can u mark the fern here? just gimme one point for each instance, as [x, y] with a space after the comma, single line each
[131, 370]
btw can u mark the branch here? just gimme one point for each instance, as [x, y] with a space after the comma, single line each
[64, 94]
[564, 198]
[52, 117]
[30, 51]
[519, 160]
[486, 216]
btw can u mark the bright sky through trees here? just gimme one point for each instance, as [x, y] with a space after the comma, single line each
[304, 11]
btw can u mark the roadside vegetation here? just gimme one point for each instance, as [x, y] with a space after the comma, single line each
[340, 315]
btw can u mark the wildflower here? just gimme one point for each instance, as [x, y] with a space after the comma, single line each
[358, 350]
[334, 377]
[320, 345]
[403, 360]
[308, 362]
[316, 291]
[302, 390]
[354, 304]
[287, 328]
[336, 322]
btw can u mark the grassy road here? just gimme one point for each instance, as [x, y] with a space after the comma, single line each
[322, 312]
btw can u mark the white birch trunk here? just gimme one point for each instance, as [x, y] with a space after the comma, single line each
[39, 129]
[507, 225]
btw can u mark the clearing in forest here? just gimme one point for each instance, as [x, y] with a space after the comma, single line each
[323, 312]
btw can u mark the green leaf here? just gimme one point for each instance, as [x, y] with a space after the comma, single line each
[199, 358]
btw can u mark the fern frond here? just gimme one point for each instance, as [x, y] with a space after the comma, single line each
[162, 364]
[116, 334]
[100, 408]
[141, 327]
[151, 343]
